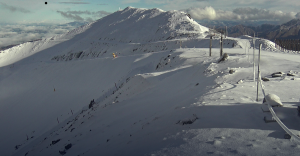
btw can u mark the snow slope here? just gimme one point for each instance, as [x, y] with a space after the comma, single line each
[19, 52]
[155, 98]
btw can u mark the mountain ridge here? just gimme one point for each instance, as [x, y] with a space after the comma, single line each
[288, 30]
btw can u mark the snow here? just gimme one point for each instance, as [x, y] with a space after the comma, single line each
[155, 98]
[273, 100]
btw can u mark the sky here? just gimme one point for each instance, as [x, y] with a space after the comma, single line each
[17, 16]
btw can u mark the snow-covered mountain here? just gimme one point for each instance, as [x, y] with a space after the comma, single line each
[130, 29]
[162, 95]
[288, 30]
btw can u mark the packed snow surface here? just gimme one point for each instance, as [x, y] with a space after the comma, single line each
[162, 95]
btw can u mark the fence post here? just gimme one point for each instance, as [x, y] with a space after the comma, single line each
[245, 48]
[254, 58]
[210, 45]
[248, 53]
[258, 72]
[180, 43]
[221, 46]
[226, 34]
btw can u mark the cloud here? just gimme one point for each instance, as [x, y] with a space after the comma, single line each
[298, 15]
[12, 34]
[74, 2]
[102, 13]
[99, 13]
[130, 1]
[102, 4]
[241, 14]
[14, 9]
[205, 13]
[89, 19]
[70, 16]
[76, 15]
[79, 12]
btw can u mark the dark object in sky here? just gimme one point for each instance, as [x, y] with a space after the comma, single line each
[45, 2]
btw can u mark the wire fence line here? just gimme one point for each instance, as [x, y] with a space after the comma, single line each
[286, 129]
[287, 44]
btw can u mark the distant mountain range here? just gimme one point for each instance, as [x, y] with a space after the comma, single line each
[289, 30]
[220, 23]
[75, 24]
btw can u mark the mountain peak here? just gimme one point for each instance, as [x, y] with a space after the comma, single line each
[146, 25]
[292, 22]
[136, 9]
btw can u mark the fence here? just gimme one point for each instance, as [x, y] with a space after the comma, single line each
[288, 44]
[287, 130]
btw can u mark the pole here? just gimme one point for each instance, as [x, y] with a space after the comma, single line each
[180, 43]
[210, 46]
[258, 72]
[245, 48]
[221, 46]
[254, 58]
[226, 32]
[248, 53]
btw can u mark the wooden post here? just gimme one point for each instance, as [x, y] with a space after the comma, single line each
[258, 72]
[210, 46]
